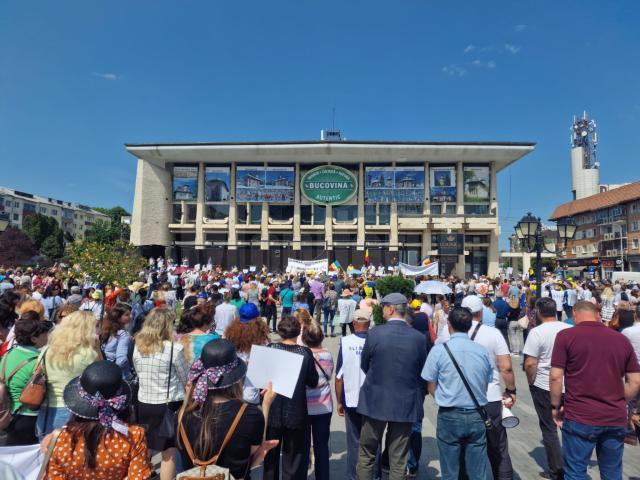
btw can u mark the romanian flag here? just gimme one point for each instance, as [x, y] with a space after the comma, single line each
[335, 266]
[425, 261]
[366, 257]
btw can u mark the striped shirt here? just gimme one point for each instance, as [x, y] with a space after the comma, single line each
[319, 399]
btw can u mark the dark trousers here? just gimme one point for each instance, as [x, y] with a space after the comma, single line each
[286, 311]
[271, 313]
[502, 324]
[550, 440]
[353, 422]
[344, 328]
[22, 431]
[397, 446]
[294, 457]
[319, 428]
[559, 314]
[498, 444]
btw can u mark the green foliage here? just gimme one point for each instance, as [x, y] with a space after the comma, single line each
[117, 263]
[39, 227]
[391, 284]
[52, 247]
[108, 232]
[15, 247]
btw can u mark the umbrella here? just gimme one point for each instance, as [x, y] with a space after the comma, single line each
[355, 271]
[179, 270]
[432, 287]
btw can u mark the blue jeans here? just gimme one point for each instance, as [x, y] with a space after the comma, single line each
[328, 320]
[55, 417]
[415, 446]
[578, 442]
[461, 431]
[318, 437]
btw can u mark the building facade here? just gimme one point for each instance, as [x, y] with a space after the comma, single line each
[249, 204]
[73, 218]
[608, 234]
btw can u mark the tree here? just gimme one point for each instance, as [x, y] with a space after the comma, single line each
[39, 227]
[109, 232]
[392, 284]
[118, 263]
[15, 247]
[52, 248]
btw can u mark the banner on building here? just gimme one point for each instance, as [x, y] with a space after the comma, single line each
[185, 184]
[265, 184]
[394, 185]
[413, 270]
[297, 266]
[442, 184]
[329, 185]
[477, 184]
[217, 184]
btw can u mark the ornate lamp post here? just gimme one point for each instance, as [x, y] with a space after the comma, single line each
[529, 232]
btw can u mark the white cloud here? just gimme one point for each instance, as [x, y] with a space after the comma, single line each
[469, 48]
[491, 64]
[513, 49]
[107, 76]
[520, 28]
[454, 70]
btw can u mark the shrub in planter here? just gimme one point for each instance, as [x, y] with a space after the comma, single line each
[391, 284]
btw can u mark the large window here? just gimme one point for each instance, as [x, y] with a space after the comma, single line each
[345, 213]
[217, 211]
[281, 213]
[384, 214]
[370, 214]
[312, 214]
[476, 209]
[191, 213]
[410, 210]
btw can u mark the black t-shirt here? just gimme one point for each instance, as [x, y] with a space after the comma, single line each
[235, 455]
[190, 301]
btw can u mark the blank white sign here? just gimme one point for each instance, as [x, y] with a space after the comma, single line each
[279, 367]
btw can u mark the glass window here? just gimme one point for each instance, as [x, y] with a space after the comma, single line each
[241, 213]
[436, 209]
[319, 214]
[191, 213]
[482, 209]
[16, 217]
[177, 212]
[345, 213]
[306, 214]
[411, 210]
[384, 214]
[451, 209]
[369, 214]
[216, 211]
[281, 213]
[54, 213]
[256, 214]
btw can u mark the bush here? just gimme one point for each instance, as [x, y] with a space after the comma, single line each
[387, 285]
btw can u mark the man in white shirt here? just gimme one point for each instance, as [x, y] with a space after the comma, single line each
[537, 351]
[557, 294]
[500, 358]
[633, 333]
[225, 314]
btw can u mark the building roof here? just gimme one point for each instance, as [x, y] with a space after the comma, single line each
[626, 193]
[37, 199]
[318, 152]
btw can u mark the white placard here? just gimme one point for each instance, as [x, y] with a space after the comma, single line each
[26, 460]
[279, 367]
[252, 268]
[317, 266]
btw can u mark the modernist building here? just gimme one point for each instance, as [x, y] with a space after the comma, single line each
[608, 234]
[73, 218]
[254, 203]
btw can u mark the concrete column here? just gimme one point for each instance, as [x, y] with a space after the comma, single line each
[183, 210]
[361, 226]
[264, 227]
[460, 264]
[393, 232]
[328, 227]
[526, 262]
[200, 208]
[493, 195]
[153, 187]
[459, 189]
[493, 260]
[296, 209]
[426, 242]
[427, 193]
[232, 238]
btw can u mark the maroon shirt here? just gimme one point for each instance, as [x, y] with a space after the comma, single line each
[595, 360]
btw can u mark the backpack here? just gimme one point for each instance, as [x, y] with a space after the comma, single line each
[6, 404]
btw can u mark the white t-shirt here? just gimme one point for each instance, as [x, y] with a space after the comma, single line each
[633, 334]
[491, 339]
[427, 308]
[225, 314]
[558, 297]
[539, 344]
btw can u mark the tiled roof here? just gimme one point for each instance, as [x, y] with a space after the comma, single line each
[626, 193]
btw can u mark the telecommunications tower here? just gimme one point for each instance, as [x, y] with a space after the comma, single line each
[585, 169]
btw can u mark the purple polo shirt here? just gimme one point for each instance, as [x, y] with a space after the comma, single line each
[595, 360]
[317, 289]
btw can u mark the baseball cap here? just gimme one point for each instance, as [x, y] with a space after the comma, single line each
[394, 299]
[473, 303]
[361, 315]
[248, 312]
[416, 304]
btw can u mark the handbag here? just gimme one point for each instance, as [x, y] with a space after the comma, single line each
[523, 322]
[167, 428]
[488, 424]
[42, 473]
[35, 391]
[208, 470]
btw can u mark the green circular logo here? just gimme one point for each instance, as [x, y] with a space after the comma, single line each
[329, 185]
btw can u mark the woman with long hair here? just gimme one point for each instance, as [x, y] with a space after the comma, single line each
[97, 443]
[64, 311]
[306, 320]
[439, 323]
[213, 403]
[244, 332]
[51, 300]
[73, 346]
[115, 340]
[200, 320]
[162, 374]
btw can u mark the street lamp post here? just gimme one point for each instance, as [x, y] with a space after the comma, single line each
[529, 232]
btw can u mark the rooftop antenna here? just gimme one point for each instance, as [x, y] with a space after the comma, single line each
[333, 118]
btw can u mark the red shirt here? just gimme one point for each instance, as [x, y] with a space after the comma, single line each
[595, 360]
[271, 292]
[505, 289]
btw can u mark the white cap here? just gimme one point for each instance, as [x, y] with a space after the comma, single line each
[473, 303]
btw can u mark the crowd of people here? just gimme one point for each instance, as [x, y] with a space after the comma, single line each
[103, 376]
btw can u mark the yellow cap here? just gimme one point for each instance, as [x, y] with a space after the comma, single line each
[415, 304]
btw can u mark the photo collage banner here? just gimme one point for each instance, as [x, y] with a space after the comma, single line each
[442, 184]
[477, 184]
[404, 185]
[185, 184]
[265, 184]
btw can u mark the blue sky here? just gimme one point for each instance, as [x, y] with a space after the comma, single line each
[80, 79]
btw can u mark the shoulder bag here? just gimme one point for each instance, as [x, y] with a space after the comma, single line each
[208, 470]
[481, 410]
[35, 391]
[6, 405]
[315, 360]
[167, 428]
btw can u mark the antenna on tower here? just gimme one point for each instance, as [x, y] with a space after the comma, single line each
[583, 134]
[333, 118]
